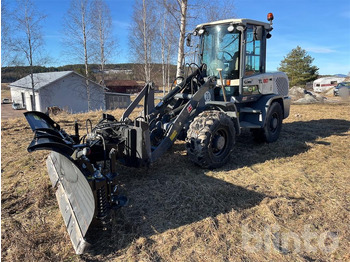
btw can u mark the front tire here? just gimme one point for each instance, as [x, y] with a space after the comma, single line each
[210, 139]
[273, 125]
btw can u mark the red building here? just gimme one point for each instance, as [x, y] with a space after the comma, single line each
[124, 86]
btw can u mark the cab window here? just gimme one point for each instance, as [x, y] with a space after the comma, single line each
[253, 54]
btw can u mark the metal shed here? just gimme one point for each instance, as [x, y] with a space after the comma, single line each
[117, 100]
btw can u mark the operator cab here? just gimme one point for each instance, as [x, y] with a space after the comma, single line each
[237, 47]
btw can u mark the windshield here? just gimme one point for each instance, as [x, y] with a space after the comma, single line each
[344, 84]
[220, 49]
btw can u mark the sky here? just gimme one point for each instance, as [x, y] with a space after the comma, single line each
[321, 27]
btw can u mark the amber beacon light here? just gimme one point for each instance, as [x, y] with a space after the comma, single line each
[270, 17]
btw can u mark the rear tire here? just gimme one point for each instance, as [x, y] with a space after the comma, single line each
[273, 125]
[210, 139]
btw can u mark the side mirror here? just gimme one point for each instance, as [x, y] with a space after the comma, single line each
[188, 40]
[258, 32]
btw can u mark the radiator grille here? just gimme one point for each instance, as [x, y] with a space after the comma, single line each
[282, 86]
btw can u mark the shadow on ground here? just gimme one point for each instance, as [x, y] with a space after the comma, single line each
[173, 192]
[294, 139]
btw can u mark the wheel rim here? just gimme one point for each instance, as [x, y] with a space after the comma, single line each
[219, 142]
[274, 122]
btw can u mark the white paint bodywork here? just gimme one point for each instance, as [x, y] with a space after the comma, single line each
[269, 83]
[242, 21]
[325, 83]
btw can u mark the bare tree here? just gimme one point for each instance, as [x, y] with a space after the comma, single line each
[5, 33]
[102, 33]
[215, 10]
[142, 36]
[189, 13]
[27, 41]
[146, 41]
[77, 27]
[163, 49]
[173, 19]
[168, 40]
[178, 10]
[181, 49]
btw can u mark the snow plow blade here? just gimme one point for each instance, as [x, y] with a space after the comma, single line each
[75, 198]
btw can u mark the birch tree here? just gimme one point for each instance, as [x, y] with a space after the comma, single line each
[5, 33]
[27, 40]
[193, 13]
[168, 40]
[181, 49]
[163, 48]
[142, 36]
[77, 29]
[178, 10]
[102, 33]
[146, 42]
[174, 18]
[214, 10]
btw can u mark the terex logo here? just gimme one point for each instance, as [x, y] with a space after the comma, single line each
[189, 108]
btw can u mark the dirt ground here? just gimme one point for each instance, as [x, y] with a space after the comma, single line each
[8, 113]
[6, 109]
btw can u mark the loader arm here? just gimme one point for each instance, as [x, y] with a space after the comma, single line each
[190, 108]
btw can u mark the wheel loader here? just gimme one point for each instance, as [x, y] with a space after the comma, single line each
[228, 91]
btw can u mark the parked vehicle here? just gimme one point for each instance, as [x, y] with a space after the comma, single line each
[340, 86]
[6, 101]
[17, 106]
[326, 83]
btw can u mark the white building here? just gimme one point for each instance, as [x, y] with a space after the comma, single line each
[325, 83]
[66, 90]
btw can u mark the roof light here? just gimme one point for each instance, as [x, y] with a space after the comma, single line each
[201, 31]
[270, 17]
[230, 28]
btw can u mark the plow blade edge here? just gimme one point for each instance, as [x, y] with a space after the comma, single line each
[74, 196]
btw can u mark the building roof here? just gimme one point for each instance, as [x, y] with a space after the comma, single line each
[117, 94]
[40, 79]
[130, 83]
[44, 79]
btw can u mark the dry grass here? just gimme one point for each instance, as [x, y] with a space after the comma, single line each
[5, 91]
[179, 212]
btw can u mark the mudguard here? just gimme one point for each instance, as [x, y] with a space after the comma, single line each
[74, 196]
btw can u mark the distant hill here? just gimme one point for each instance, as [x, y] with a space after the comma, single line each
[335, 75]
[11, 74]
[340, 75]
